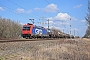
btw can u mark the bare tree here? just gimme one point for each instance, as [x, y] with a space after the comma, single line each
[87, 34]
[9, 28]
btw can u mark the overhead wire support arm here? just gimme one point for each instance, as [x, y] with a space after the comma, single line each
[42, 18]
[48, 23]
[32, 20]
[70, 29]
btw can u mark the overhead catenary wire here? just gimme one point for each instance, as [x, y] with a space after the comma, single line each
[21, 6]
[33, 13]
[58, 12]
[27, 5]
[52, 6]
[11, 10]
[15, 4]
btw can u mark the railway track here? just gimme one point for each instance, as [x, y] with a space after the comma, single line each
[20, 40]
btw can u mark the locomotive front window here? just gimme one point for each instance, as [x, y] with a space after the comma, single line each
[26, 27]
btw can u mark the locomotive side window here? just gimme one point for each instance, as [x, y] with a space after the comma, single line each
[26, 27]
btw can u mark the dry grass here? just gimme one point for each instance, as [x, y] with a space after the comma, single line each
[78, 49]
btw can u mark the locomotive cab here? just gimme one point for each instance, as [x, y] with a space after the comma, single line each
[33, 31]
[26, 30]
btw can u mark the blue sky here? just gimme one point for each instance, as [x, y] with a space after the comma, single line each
[58, 12]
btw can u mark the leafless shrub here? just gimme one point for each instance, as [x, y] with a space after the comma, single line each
[9, 28]
[88, 22]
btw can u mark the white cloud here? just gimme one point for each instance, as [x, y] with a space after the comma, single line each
[1, 9]
[50, 18]
[62, 16]
[50, 22]
[83, 20]
[20, 10]
[51, 8]
[61, 20]
[28, 11]
[78, 6]
[37, 8]
[57, 20]
[73, 18]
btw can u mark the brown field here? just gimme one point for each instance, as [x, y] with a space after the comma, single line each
[75, 49]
